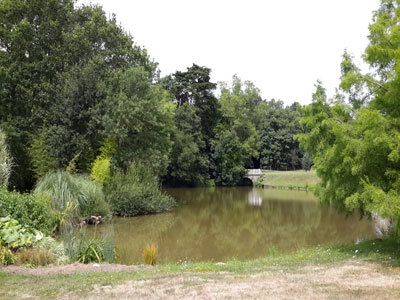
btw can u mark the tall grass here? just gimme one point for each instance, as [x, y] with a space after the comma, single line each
[81, 247]
[75, 197]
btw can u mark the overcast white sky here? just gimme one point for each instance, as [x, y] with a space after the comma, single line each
[283, 47]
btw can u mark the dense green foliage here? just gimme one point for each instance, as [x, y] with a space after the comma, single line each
[29, 210]
[14, 235]
[355, 143]
[71, 79]
[279, 150]
[75, 197]
[137, 192]
[229, 155]
[56, 66]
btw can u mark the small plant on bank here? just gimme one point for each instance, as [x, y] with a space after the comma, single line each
[259, 181]
[150, 254]
[7, 257]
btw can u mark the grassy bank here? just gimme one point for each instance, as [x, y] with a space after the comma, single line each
[376, 257]
[298, 178]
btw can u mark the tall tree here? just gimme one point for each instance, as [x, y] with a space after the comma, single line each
[195, 88]
[54, 58]
[279, 149]
[189, 163]
[238, 110]
[140, 116]
[355, 146]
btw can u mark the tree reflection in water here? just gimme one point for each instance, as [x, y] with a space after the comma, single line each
[237, 222]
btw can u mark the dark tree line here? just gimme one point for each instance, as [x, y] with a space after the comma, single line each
[70, 79]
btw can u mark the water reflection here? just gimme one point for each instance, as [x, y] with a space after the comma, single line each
[254, 198]
[223, 223]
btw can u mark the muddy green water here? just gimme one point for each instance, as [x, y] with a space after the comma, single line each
[219, 224]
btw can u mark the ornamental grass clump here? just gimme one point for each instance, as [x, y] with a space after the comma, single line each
[150, 254]
[75, 197]
[79, 247]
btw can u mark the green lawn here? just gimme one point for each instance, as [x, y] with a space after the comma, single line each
[298, 178]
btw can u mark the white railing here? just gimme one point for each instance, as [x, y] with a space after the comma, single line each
[254, 172]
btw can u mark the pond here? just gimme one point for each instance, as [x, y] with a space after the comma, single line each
[218, 224]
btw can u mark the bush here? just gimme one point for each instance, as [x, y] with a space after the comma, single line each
[76, 195]
[101, 172]
[137, 192]
[29, 210]
[5, 161]
[101, 168]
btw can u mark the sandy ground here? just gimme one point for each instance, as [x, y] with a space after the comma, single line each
[353, 280]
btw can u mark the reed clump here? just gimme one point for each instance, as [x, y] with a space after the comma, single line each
[150, 254]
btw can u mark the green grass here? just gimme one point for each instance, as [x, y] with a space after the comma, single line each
[298, 178]
[386, 252]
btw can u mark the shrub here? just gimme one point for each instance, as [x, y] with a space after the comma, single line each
[137, 192]
[5, 161]
[101, 171]
[150, 254]
[30, 210]
[76, 195]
